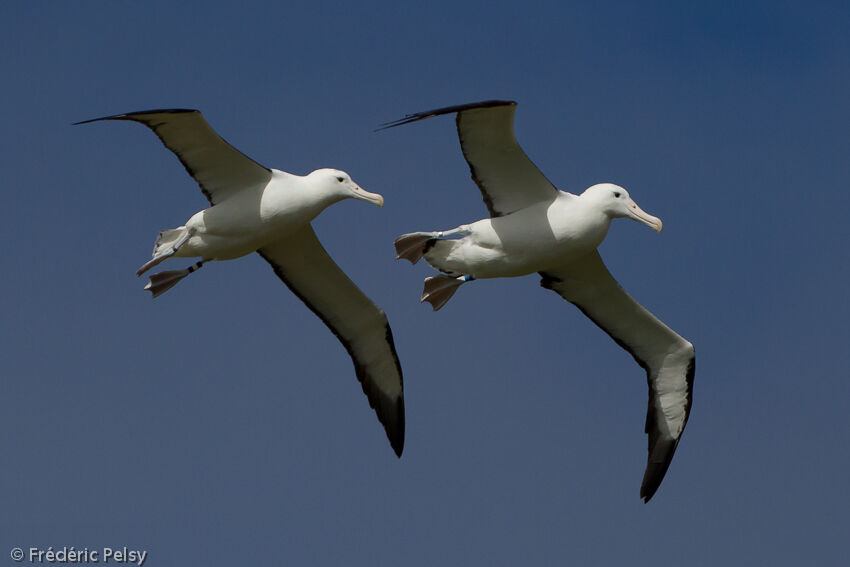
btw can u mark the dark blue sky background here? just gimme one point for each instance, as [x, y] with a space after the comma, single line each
[222, 423]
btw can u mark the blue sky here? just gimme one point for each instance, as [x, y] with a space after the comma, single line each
[222, 423]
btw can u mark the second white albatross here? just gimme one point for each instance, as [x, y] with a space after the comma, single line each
[268, 211]
[534, 227]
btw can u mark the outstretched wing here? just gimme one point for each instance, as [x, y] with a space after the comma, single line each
[360, 325]
[508, 180]
[220, 169]
[667, 357]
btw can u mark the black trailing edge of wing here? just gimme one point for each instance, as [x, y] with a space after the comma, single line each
[390, 411]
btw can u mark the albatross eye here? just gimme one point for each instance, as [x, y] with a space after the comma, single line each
[617, 194]
[340, 179]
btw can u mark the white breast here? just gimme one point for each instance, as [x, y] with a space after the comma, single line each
[253, 218]
[527, 241]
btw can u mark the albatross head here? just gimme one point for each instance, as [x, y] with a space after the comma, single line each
[615, 202]
[340, 185]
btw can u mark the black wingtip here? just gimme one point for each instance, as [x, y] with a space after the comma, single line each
[445, 110]
[135, 115]
[397, 438]
[658, 461]
[647, 492]
[86, 121]
[395, 433]
[656, 468]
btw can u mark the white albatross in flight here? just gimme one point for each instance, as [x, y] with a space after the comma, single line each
[268, 211]
[534, 227]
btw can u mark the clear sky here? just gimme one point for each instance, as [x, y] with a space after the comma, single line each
[222, 424]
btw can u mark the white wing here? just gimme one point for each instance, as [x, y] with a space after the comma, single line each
[304, 266]
[220, 169]
[508, 180]
[667, 357]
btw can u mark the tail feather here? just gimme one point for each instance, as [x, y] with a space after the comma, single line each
[439, 289]
[165, 246]
[167, 239]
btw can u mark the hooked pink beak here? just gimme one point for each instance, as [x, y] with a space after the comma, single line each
[640, 215]
[373, 198]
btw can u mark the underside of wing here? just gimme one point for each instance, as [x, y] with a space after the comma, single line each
[361, 326]
[667, 357]
[507, 178]
[220, 169]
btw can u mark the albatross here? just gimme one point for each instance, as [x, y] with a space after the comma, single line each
[268, 211]
[536, 228]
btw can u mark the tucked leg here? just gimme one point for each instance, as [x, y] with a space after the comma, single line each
[163, 281]
[439, 289]
[183, 233]
[413, 245]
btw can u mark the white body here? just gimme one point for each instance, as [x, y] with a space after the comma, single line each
[534, 239]
[545, 235]
[249, 220]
